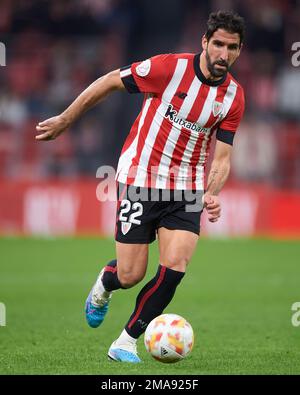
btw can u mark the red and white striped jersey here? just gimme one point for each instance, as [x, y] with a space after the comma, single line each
[168, 144]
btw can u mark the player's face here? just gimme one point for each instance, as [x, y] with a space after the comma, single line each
[221, 51]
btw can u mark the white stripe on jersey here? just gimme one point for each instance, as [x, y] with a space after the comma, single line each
[199, 177]
[170, 145]
[183, 175]
[190, 99]
[127, 157]
[207, 107]
[157, 121]
[125, 73]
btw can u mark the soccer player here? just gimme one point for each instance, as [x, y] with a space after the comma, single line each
[187, 98]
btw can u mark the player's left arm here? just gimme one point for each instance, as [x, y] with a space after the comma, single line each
[220, 167]
[219, 172]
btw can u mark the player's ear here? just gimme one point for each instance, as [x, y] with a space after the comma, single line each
[238, 52]
[240, 48]
[204, 42]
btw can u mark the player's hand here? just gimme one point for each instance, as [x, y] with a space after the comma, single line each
[51, 128]
[212, 206]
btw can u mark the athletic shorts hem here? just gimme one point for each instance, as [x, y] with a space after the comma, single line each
[193, 230]
[135, 241]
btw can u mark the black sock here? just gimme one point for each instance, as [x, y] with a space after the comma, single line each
[153, 299]
[110, 277]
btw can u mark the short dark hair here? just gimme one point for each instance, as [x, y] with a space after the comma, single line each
[227, 20]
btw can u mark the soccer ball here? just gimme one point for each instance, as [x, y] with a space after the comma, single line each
[169, 338]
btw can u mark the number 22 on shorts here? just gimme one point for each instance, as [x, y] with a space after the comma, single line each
[137, 211]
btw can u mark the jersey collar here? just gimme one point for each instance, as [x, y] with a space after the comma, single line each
[201, 76]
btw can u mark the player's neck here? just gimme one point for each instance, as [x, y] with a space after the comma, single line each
[205, 71]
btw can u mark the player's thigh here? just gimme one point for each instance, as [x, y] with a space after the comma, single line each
[176, 247]
[132, 262]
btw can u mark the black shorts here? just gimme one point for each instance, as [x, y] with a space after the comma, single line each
[141, 211]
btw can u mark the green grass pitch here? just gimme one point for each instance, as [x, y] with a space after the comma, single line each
[237, 294]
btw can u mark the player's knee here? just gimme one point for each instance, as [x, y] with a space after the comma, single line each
[129, 279]
[176, 262]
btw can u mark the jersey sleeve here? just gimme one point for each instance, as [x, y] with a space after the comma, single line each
[149, 76]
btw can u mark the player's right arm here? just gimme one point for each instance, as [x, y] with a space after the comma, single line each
[95, 93]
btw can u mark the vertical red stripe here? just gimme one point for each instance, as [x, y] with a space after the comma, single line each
[110, 269]
[147, 295]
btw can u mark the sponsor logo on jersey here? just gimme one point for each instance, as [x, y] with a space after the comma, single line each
[181, 95]
[143, 68]
[172, 115]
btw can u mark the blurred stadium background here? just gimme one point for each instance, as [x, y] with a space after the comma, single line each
[240, 291]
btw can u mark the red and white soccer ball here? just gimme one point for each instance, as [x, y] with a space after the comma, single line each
[169, 338]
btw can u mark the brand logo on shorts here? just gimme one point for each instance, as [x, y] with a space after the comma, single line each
[125, 227]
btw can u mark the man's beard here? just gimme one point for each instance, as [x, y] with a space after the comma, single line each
[216, 73]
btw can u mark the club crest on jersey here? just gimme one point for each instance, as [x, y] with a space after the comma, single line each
[143, 68]
[125, 227]
[217, 108]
